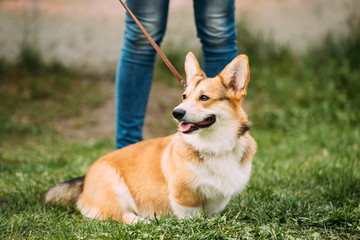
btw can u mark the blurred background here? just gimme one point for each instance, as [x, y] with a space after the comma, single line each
[57, 70]
[88, 33]
[54, 39]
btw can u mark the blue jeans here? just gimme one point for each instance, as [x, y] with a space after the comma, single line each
[215, 23]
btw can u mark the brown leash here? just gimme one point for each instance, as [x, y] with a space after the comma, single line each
[156, 47]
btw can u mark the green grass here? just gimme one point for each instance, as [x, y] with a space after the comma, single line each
[306, 174]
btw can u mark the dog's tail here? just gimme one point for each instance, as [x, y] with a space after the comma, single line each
[66, 193]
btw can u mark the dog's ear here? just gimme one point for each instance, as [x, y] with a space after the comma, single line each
[192, 68]
[236, 76]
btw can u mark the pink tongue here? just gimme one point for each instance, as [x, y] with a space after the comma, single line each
[184, 127]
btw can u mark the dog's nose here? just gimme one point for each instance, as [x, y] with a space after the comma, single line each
[179, 113]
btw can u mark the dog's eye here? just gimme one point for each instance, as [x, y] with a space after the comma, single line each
[204, 98]
[184, 96]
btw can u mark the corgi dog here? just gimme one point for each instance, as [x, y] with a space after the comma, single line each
[197, 169]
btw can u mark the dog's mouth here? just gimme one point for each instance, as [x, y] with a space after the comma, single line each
[188, 127]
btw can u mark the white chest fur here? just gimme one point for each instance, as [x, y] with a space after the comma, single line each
[221, 176]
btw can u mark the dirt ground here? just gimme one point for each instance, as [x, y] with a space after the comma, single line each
[95, 123]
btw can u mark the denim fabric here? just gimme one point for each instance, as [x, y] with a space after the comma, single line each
[215, 24]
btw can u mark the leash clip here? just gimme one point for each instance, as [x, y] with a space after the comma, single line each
[183, 83]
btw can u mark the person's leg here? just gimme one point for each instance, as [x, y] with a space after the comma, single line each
[215, 23]
[135, 68]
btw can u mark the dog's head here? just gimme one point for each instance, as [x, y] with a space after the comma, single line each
[212, 106]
